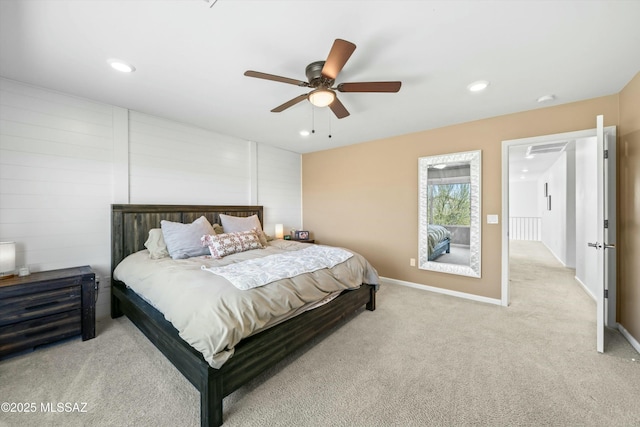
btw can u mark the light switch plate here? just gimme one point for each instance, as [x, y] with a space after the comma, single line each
[492, 219]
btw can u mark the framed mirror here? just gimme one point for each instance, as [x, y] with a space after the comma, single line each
[449, 213]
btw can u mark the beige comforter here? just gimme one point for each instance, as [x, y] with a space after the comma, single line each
[212, 315]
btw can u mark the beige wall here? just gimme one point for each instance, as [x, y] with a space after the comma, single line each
[365, 196]
[629, 208]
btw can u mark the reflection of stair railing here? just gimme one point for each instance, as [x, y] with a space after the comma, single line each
[525, 228]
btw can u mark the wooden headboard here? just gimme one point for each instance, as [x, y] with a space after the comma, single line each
[130, 224]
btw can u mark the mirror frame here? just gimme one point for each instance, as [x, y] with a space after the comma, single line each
[475, 161]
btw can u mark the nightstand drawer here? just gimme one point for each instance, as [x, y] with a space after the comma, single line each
[24, 335]
[41, 304]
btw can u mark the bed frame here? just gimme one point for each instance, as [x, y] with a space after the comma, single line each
[130, 228]
[443, 246]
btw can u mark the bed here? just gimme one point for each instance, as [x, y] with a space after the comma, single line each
[252, 355]
[439, 241]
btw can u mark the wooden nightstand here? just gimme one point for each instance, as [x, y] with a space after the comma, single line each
[45, 307]
[303, 241]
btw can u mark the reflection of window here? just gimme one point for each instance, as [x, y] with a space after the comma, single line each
[449, 204]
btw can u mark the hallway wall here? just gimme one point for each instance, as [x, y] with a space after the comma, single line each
[586, 223]
[555, 221]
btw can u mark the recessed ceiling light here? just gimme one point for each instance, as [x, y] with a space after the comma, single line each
[304, 132]
[122, 66]
[478, 86]
[525, 170]
[547, 98]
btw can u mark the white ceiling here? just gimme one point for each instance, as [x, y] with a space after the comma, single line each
[190, 59]
[522, 168]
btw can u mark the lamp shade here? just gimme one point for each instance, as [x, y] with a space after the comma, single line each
[322, 97]
[279, 231]
[7, 258]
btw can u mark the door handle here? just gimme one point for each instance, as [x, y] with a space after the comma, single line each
[609, 245]
[594, 245]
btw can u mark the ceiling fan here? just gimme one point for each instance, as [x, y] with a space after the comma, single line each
[322, 75]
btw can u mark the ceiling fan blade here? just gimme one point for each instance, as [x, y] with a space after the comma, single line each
[275, 78]
[289, 103]
[338, 109]
[369, 87]
[338, 56]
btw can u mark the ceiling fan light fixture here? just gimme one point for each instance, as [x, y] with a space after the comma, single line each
[322, 97]
[321, 76]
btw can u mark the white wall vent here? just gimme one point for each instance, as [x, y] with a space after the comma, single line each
[553, 147]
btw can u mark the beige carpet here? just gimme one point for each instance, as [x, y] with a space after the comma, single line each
[420, 359]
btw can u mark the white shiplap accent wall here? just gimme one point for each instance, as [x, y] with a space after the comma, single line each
[64, 160]
[279, 188]
[55, 178]
[173, 163]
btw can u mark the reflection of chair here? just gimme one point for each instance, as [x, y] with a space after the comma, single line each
[444, 246]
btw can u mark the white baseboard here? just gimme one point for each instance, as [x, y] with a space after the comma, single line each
[442, 291]
[586, 289]
[554, 255]
[634, 343]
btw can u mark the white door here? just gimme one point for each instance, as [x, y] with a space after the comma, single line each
[605, 245]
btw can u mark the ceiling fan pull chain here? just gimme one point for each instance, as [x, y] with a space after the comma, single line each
[329, 115]
[313, 120]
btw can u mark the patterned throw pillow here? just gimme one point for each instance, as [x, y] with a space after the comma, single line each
[221, 245]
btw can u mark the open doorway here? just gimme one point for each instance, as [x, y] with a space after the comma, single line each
[551, 201]
[554, 200]
[570, 178]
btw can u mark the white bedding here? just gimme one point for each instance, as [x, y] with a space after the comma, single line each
[256, 272]
[212, 315]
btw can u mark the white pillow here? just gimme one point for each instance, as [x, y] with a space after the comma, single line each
[231, 224]
[156, 245]
[183, 240]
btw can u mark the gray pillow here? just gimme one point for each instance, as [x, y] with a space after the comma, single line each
[183, 240]
[231, 224]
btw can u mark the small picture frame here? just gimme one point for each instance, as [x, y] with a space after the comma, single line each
[301, 235]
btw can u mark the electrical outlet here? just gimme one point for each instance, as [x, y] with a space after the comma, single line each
[412, 262]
